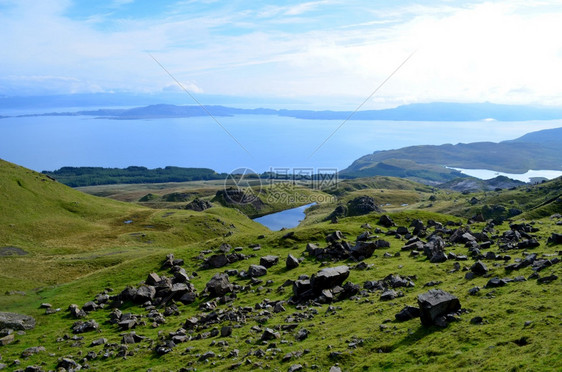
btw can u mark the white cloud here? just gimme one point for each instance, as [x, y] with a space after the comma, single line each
[503, 51]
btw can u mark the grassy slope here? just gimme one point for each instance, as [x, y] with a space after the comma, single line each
[399, 346]
[68, 233]
[538, 201]
[404, 346]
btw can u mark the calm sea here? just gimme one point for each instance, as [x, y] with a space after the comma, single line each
[48, 143]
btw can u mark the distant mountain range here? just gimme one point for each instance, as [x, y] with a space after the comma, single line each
[438, 111]
[540, 150]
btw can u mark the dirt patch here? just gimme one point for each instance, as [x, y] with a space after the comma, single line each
[12, 251]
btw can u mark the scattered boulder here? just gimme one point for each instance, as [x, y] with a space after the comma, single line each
[388, 295]
[477, 320]
[270, 334]
[269, 261]
[219, 285]
[435, 305]
[144, 293]
[152, 279]
[434, 249]
[256, 271]
[301, 287]
[528, 244]
[291, 262]
[329, 278]
[386, 221]
[68, 364]
[555, 239]
[99, 341]
[295, 368]
[334, 237]
[407, 313]
[473, 291]
[495, 282]
[165, 347]
[302, 334]
[16, 321]
[226, 331]
[81, 327]
[6, 340]
[363, 249]
[547, 279]
[32, 350]
[131, 338]
[402, 230]
[216, 261]
[479, 268]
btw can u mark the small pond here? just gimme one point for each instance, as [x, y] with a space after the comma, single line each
[288, 218]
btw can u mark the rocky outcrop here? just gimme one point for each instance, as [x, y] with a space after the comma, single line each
[198, 205]
[16, 321]
[362, 205]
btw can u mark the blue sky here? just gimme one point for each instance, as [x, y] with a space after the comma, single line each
[310, 51]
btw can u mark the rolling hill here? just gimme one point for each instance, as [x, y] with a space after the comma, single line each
[538, 150]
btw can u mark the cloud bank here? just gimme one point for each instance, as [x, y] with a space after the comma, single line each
[499, 51]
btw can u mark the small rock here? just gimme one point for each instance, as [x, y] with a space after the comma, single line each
[477, 320]
[302, 334]
[226, 331]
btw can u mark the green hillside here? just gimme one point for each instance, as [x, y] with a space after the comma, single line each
[64, 231]
[88, 253]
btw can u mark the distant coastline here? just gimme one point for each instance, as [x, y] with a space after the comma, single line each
[437, 111]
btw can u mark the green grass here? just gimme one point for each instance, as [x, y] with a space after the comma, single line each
[405, 346]
[87, 248]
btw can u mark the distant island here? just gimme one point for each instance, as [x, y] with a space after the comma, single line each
[437, 111]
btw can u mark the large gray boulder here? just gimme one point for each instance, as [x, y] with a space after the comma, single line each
[219, 285]
[363, 249]
[145, 293]
[256, 270]
[435, 304]
[269, 261]
[479, 268]
[301, 287]
[329, 278]
[434, 249]
[216, 261]
[386, 221]
[555, 239]
[18, 322]
[291, 262]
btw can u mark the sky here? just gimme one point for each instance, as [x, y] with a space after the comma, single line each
[323, 52]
